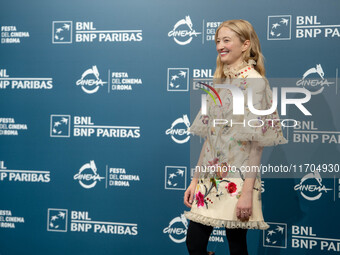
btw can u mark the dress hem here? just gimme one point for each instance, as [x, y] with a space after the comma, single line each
[225, 223]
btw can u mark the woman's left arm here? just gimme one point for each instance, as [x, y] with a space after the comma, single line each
[244, 203]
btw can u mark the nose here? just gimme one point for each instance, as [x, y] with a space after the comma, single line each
[219, 46]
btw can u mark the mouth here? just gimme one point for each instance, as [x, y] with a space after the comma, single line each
[224, 53]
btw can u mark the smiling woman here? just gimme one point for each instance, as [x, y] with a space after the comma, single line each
[229, 198]
[237, 43]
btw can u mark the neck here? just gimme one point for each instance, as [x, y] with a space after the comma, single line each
[236, 65]
[231, 71]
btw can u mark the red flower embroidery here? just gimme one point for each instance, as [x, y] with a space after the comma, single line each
[231, 187]
[200, 199]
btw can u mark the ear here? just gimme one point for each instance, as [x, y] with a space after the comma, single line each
[245, 45]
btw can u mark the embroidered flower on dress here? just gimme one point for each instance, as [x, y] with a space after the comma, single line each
[271, 124]
[205, 120]
[200, 199]
[231, 187]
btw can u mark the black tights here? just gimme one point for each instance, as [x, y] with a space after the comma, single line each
[198, 238]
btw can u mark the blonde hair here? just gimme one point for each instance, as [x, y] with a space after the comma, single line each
[244, 31]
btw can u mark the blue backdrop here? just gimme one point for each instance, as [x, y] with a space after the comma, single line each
[94, 154]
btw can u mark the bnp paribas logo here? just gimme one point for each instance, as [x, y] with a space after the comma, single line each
[62, 32]
[60, 125]
[175, 177]
[178, 79]
[275, 236]
[279, 27]
[57, 220]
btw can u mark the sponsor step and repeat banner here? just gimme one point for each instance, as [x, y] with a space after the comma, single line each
[95, 101]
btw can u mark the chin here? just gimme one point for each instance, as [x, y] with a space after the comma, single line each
[225, 61]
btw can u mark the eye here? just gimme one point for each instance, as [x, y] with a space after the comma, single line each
[226, 40]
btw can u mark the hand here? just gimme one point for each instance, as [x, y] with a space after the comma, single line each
[244, 206]
[189, 193]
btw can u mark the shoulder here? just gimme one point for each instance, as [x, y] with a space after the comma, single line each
[255, 80]
[252, 73]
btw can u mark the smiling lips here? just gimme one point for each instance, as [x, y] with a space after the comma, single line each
[223, 53]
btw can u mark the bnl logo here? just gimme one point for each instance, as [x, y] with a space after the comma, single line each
[62, 32]
[60, 125]
[279, 27]
[175, 177]
[275, 236]
[178, 79]
[57, 220]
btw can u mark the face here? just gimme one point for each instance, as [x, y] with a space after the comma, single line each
[229, 46]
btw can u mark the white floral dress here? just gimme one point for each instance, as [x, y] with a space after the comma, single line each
[228, 145]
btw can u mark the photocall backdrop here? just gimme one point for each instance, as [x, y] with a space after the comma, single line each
[94, 108]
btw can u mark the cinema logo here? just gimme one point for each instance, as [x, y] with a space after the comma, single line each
[311, 187]
[83, 126]
[57, 221]
[16, 83]
[177, 229]
[314, 85]
[10, 35]
[88, 175]
[183, 31]
[178, 130]
[30, 176]
[90, 81]
[86, 32]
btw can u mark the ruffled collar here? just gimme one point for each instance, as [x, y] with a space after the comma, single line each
[234, 72]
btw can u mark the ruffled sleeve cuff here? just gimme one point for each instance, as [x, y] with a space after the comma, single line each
[264, 129]
[269, 134]
[200, 125]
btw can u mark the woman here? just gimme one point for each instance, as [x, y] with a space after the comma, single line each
[231, 197]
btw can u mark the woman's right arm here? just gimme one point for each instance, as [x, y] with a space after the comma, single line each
[190, 192]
